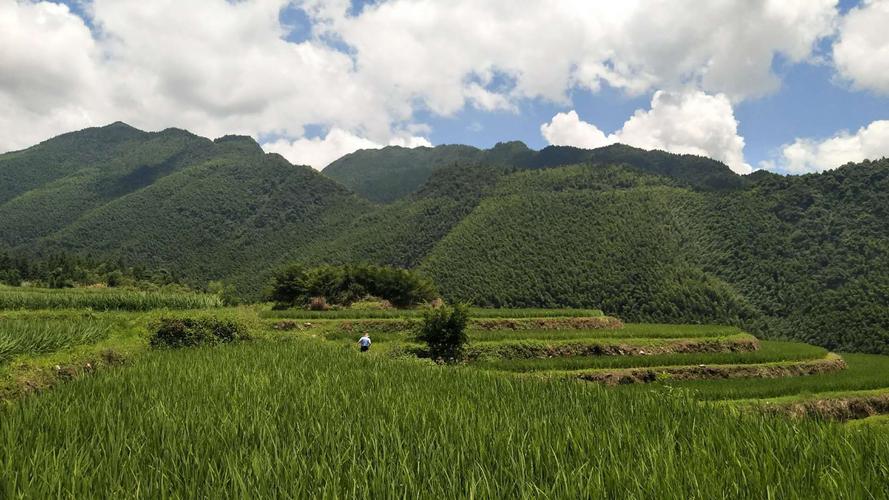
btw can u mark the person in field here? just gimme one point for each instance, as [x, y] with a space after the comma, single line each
[364, 342]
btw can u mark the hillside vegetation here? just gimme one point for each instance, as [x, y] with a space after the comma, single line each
[392, 173]
[203, 209]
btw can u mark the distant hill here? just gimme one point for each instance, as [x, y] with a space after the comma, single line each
[203, 209]
[388, 174]
[392, 173]
[645, 235]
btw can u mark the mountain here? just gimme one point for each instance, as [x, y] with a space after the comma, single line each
[203, 209]
[392, 173]
[389, 174]
[645, 235]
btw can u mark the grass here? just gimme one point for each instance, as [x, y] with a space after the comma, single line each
[632, 330]
[878, 422]
[864, 372]
[300, 418]
[38, 336]
[770, 351]
[107, 299]
[418, 313]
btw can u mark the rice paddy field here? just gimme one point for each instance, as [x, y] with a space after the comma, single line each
[298, 412]
[102, 299]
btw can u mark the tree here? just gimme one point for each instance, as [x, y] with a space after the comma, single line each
[444, 331]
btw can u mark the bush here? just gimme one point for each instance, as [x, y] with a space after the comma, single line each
[190, 332]
[298, 285]
[318, 304]
[444, 331]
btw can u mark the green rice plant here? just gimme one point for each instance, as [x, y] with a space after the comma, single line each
[39, 336]
[305, 419]
[769, 351]
[474, 312]
[863, 372]
[629, 331]
[103, 299]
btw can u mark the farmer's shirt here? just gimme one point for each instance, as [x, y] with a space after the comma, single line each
[364, 341]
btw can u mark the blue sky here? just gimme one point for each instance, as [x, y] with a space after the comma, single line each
[778, 85]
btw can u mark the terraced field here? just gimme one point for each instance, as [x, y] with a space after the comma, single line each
[714, 363]
[553, 405]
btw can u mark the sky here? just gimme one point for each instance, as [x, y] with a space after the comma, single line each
[792, 86]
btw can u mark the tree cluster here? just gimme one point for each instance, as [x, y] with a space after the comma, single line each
[297, 285]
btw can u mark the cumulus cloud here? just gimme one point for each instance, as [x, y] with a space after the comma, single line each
[567, 129]
[217, 66]
[320, 152]
[861, 52]
[689, 122]
[808, 155]
[426, 48]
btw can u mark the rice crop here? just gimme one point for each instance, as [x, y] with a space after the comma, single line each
[39, 336]
[629, 331]
[418, 313]
[863, 372]
[103, 299]
[304, 419]
[769, 352]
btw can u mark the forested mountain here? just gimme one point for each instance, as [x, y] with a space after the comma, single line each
[644, 235]
[204, 209]
[392, 173]
[388, 174]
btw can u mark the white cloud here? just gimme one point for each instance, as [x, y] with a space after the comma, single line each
[426, 48]
[218, 66]
[689, 122]
[318, 152]
[861, 52]
[808, 155]
[567, 129]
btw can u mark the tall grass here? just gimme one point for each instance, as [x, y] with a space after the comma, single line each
[629, 331]
[303, 419]
[39, 336]
[768, 352]
[863, 372]
[418, 313]
[103, 299]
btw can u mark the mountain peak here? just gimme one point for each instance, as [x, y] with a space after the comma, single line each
[241, 143]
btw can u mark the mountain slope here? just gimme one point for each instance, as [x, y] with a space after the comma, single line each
[389, 174]
[789, 257]
[59, 189]
[203, 209]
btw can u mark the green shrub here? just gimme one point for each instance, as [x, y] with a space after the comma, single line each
[444, 331]
[190, 332]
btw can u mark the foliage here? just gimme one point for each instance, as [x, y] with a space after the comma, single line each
[191, 332]
[863, 372]
[297, 285]
[63, 270]
[474, 312]
[276, 419]
[444, 331]
[37, 336]
[102, 299]
[769, 352]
